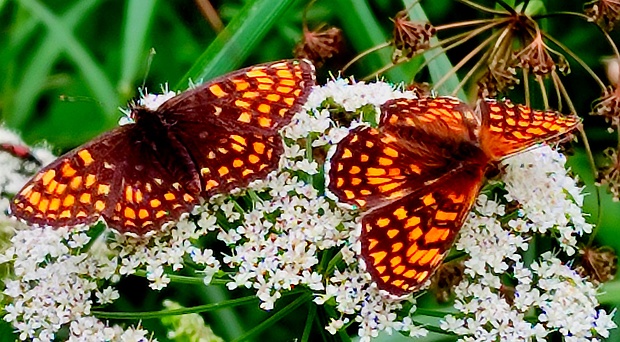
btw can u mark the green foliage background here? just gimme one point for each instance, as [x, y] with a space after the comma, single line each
[66, 67]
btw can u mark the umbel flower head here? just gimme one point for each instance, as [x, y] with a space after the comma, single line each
[283, 237]
[599, 264]
[538, 59]
[605, 13]
[608, 106]
[496, 80]
[319, 44]
[409, 37]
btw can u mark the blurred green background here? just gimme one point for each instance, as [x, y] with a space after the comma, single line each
[67, 66]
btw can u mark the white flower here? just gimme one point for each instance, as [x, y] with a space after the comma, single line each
[108, 295]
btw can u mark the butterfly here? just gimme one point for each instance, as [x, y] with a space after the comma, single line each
[208, 140]
[417, 175]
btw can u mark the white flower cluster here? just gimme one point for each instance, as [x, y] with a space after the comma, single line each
[563, 301]
[551, 199]
[56, 277]
[276, 248]
[548, 292]
[54, 287]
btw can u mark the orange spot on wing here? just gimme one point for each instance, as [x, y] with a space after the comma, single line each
[129, 213]
[86, 157]
[216, 90]
[48, 176]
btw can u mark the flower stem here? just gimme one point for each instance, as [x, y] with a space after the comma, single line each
[162, 313]
[364, 54]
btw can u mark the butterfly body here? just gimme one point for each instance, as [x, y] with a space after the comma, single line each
[416, 177]
[208, 140]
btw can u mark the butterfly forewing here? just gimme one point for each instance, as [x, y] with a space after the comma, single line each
[369, 169]
[261, 98]
[445, 114]
[510, 128]
[373, 165]
[404, 242]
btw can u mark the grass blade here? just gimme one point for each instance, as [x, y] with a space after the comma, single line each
[96, 79]
[364, 31]
[240, 37]
[440, 65]
[275, 317]
[39, 67]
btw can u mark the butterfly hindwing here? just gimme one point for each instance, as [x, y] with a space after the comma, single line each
[76, 188]
[112, 176]
[150, 190]
[228, 160]
[405, 241]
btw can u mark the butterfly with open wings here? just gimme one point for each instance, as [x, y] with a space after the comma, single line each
[208, 140]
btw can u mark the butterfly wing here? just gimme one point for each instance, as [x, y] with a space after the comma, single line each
[430, 113]
[508, 128]
[260, 99]
[228, 160]
[405, 241]
[75, 188]
[114, 176]
[418, 141]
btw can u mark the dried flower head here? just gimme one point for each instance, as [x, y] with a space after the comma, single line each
[599, 264]
[605, 13]
[538, 59]
[319, 44]
[608, 106]
[610, 174]
[410, 37]
[497, 79]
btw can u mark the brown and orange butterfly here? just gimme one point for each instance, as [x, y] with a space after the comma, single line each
[218, 136]
[418, 174]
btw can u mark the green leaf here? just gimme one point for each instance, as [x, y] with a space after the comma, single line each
[39, 67]
[234, 44]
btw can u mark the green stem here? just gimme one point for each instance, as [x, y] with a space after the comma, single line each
[179, 279]
[275, 317]
[162, 313]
